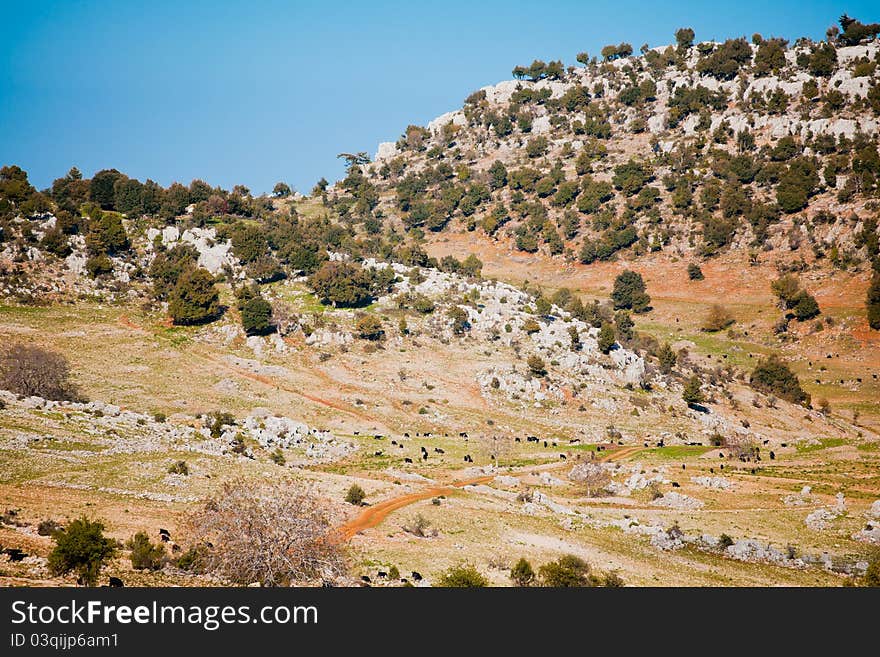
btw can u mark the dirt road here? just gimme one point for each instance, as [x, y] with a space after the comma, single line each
[375, 514]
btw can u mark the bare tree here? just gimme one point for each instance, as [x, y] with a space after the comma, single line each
[592, 476]
[285, 319]
[277, 534]
[494, 447]
[29, 370]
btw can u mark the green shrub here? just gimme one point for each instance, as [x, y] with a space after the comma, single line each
[355, 495]
[83, 549]
[536, 365]
[772, 376]
[179, 467]
[568, 571]
[629, 292]
[462, 576]
[606, 338]
[256, 316]
[342, 284]
[99, 265]
[692, 393]
[694, 272]
[144, 554]
[522, 574]
[194, 299]
[369, 327]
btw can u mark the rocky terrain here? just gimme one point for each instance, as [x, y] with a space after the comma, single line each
[619, 310]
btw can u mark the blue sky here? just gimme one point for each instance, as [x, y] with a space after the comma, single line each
[257, 92]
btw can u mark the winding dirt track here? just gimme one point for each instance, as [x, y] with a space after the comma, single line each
[375, 514]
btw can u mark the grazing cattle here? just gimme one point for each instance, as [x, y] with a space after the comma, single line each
[675, 484]
[427, 434]
[753, 471]
[767, 441]
[712, 470]
[381, 573]
[115, 582]
[393, 442]
[545, 443]
[357, 433]
[772, 456]
[439, 451]
[378, 437]
[400, 445]
[646, 444]
[379, 453]
[406, 435]
[661, 443]
[407, 460]
[683, 467]
[722, 466]
[425, 456]
[365, 578]
[554, 443]
[15, 554]
[416, 576]
[468, 458]
[175, 547]
[783, 445]
[463, 434]
[574, 440]
[517, 439]
[562, 456]
[721, 455]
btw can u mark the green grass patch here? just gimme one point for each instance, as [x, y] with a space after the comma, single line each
[676, 451]
[824, 443]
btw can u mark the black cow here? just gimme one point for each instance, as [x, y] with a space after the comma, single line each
[15, 554]
[425, 456]
[562, 456]
[416, 576]
[463, 434]
[381, 573]
[406, 435]
[675, 484]
[357, 433]
[407, 460]
[772, 456]
[439, 451]
[545, 443]
[378, 437]
[377, 453]
[393, 442]
[517, 439]
[365, 578]
[115, 582]
[683, 466]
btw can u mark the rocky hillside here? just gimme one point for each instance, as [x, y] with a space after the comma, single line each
[691, 149]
